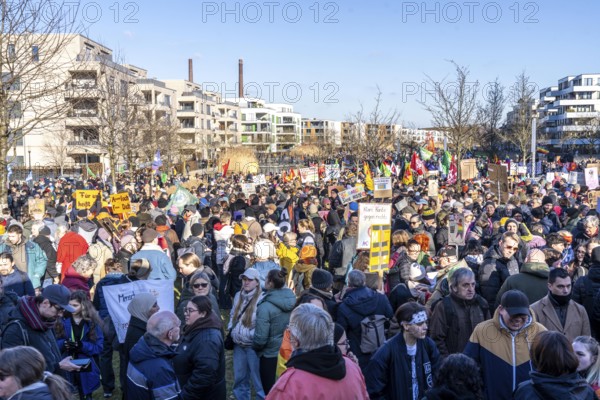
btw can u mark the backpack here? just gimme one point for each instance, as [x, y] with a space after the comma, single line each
[372, 333]
[451, 314]
[23, 332]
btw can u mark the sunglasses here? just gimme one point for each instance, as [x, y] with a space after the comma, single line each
[511, 248]
[200, 285]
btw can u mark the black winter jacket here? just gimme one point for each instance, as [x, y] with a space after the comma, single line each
[493, 272]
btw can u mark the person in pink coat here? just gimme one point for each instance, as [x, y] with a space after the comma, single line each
[317, 369]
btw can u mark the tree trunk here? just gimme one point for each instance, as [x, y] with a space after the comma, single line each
[4, 173]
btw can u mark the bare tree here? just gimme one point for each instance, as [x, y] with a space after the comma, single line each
[518, 124]
[589, 136]
[454, 109]
[490, 116]
[34, 34]
[56, 149]
[375, 133]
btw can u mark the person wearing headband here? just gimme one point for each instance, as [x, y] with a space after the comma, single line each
[403, 368]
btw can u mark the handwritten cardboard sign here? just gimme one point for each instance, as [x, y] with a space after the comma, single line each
[85, 199]
[120, 203]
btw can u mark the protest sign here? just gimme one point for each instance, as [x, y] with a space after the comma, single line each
[339, 188]
[432, 188]
[382, 188]
[572, 178]
[353, 194]
[310, 174]
[499, 181]
[120, 203]
[468, 169]
[521, 170]
[591, 178]
[249, 188]
[259, 179]
[36, 207]
[332, 172]
[85, 199]
[370, 214]
[550, 176]
[379, 253]
[118, 298]
[456, 230]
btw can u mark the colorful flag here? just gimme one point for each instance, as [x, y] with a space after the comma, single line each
[416, 164]
[90, 172]
[387, 172]
[29, 177]
[226, 167]
[368, 178]
[430, 144]
[181, 198]
[453, 173]
[425, 154]
[407, 178]
[446, 160]
[156, 163]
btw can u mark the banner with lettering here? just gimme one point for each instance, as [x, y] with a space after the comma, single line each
[120, 203]
[85, 199]
[370, 214]
[118, 298]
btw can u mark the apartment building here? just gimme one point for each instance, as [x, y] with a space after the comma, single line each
[321, 132]
[569, 114]
[268, 128]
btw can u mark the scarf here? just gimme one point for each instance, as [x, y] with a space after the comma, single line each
[32, 316]
[326, 361]
[210, 321]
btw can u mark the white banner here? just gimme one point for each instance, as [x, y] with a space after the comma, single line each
[371, 214]
[332, 172]
[259, 179]
[591, 178]
[573, 177]
[118, 298]
[310, 174]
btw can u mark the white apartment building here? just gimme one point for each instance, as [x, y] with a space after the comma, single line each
[321, 132]
[569, 110]
[268, 128]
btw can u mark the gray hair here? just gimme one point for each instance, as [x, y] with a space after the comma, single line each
[311, 326]
[201, 275]
[37, 225]
[460, 274]
[160, 323]
[356, 278]
[591, 220]
[84, 264]
[61, 229]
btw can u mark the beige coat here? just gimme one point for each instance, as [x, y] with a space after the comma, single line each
[577, 322]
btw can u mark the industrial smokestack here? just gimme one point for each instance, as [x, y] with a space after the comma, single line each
[190, 70]
[241, 78]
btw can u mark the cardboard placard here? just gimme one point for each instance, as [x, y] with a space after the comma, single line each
[120, 203]
[356, 193]
[499, 181]
[332, 172]
[456, 230]
[308, 175]
[468, 169]
[379, 253]
[259, 179]
[135, 207]
[382, 188]
[591, 177]
[370, 214]
[85, 199]
[36, 206]
[339, 188]
[249, 188]
[432, 188]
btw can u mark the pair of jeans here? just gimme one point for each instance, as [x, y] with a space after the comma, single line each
[107, 374]
[246, 371]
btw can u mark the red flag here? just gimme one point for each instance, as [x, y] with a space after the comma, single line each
[226, 167]
[416, 164]
[453, 173]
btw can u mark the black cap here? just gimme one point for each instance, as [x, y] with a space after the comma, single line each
[59, 295]
[515, 302]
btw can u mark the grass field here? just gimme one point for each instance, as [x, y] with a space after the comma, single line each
[98, 394]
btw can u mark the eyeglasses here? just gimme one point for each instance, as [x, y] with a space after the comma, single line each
[513, 248]
[413, 251]
[189, 310]
[200, 285]
[57, 307]
[345, 343]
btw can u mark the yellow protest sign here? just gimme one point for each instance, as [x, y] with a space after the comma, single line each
[36, 206]
[85, 199]
[120, 203]
[379, 252]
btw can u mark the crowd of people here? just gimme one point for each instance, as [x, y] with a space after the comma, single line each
[276, 278]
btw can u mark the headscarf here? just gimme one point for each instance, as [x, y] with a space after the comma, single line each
[141, 305]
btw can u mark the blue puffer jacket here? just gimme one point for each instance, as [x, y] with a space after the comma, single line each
[357, 304]
[150, 374]
[114, 278]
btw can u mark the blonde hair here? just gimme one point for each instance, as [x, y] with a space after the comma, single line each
[591, 345]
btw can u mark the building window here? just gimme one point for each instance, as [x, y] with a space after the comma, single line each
[123, 88]
[589, 81]
[11, 52]
[35, 53]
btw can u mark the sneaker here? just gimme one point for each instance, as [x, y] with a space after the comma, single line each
[107, 395]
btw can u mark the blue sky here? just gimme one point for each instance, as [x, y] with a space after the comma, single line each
[329, 63]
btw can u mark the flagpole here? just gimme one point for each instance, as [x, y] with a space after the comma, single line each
[533, 144]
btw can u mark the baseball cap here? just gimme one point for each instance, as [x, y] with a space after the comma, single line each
[60, 295]
[251, 273]
[515, 302]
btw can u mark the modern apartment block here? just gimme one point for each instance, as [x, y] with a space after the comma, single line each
[321, 132]
[569, 114]
[268, 128]
[351, 132]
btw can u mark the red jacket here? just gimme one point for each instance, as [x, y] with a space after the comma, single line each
[295, 384]
[70, 248]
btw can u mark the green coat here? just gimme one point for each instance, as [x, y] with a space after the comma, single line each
[531, 280]
[272, 318]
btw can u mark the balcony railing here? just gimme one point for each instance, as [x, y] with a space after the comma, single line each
[84, 143]
[82, 113]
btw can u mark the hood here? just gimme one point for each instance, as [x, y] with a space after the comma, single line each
[74, 238]
[494, 252]
[149, 348]
[362, 301]
[284, 299]
[326, 362]
[333, 219]
[570, 386]
[87, 225]
[500, 324]
[224, 233]
[9, 298]
[537, 269]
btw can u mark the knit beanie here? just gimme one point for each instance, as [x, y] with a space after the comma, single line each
[321, 279]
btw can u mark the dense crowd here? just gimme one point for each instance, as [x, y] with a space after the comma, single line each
[512, 311]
